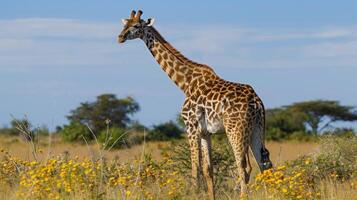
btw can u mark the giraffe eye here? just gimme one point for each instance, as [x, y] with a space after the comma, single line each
[136, 26]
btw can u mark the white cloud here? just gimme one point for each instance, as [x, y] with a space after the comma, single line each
[32, 42]
[59, 42]
[333, 49]
[338, 32]
[52, 27]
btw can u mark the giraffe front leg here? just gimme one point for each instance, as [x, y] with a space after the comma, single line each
[194, 137]
[207, 164]
[195, 157]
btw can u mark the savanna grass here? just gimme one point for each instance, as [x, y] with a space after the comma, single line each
[327, 174]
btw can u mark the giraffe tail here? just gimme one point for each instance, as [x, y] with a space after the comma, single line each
[257, 143]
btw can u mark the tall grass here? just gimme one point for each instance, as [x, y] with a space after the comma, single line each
[329, 173]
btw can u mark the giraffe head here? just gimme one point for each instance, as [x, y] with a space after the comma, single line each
[134, 27]
[265, 160]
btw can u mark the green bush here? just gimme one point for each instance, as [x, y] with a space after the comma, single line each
[134, 137]
[302, 136]
[106, 109]
[165, 131]
[275, 134]
[223, 160]
[114, 138]
[20, 126]
[136, 126]
[43, 131]
[344, 132]
[6, 131]
[335, 160]
[75, 132]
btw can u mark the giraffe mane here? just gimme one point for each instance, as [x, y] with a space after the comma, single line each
[178, 54]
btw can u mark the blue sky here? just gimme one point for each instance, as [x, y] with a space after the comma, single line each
[56, 54]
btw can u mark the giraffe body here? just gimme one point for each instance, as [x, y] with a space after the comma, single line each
[212, 105]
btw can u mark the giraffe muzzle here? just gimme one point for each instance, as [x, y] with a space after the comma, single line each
[265, 160]
[267, 165]
[121, 39]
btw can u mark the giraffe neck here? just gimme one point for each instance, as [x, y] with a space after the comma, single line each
[182, 71]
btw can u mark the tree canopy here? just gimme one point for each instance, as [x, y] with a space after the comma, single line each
[319, 114]
[106, 107]
[281, 123]
[303, 118]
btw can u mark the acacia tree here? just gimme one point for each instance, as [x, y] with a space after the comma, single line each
[106, 107]
[319, 114]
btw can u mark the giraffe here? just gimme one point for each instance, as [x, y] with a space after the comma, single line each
[212, 104]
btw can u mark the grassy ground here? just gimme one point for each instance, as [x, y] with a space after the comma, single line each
[52, 146]
[78, 171]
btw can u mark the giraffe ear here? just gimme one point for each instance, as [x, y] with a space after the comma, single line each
[124, 21]
[150, 22]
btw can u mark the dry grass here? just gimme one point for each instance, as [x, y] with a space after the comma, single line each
[53, 146]
[289, 150]
[156, 183]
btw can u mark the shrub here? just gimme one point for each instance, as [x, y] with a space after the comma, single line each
[43, 131]
[6, 131]
[134, 137]
[275, 134]
[223, 160]
[137, 126]
[165, 131]
[283, 183]
[113, 138]
[302, 136]
[20, 126]
[345, 132]
[336, 160]
[75, 132]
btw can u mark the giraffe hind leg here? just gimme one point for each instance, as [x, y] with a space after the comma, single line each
[249, 167]
[239, 146]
